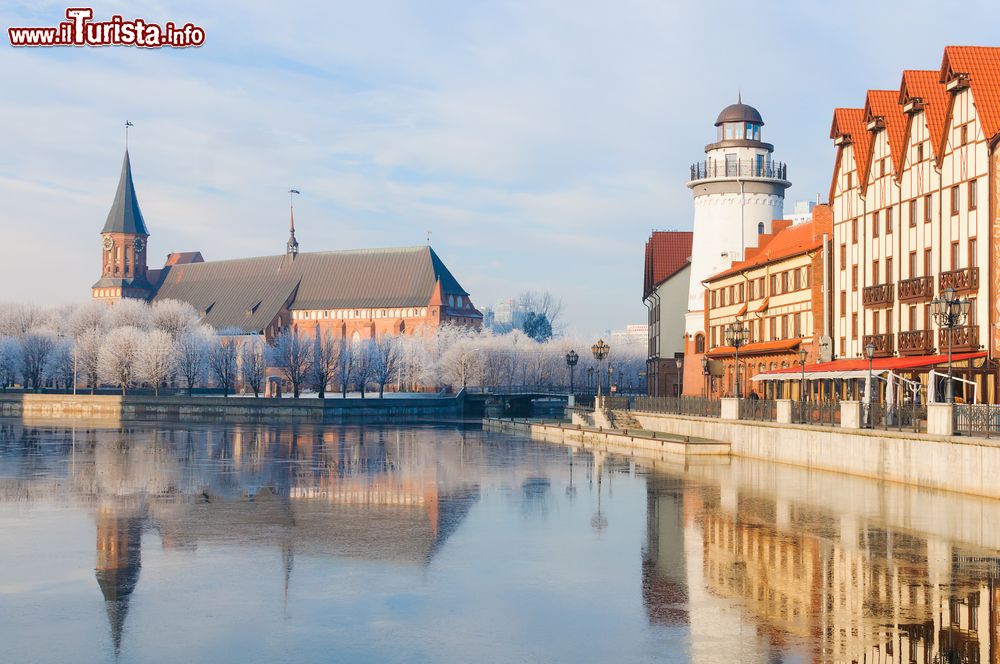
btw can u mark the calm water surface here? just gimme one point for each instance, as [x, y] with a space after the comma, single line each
[328, 543]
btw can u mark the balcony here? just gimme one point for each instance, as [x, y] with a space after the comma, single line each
[963, 281]
[918, 289]
[883, 344]
[711, 169]
[878, 296]
[916, 342]
[964, 338]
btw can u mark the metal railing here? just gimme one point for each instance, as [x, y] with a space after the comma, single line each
[897, 417]
[617, 403]
[746, 168]
[823, 413]
[694, 406]
[761, 410]
[980, 420]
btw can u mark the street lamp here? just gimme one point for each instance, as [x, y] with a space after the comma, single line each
[600, 351]
[802, 386]
[571, 359]
[705, 377]
[870, 354]
[950, 312]
[736, 336]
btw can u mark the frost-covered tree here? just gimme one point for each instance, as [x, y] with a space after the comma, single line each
[386, 353]
[118, 357]
[292, 356]
[88, 350]
[19, 318]
[60, 367]
[35, 352]
[325, 360]
[345, 365]
[157, 359]
[253, 363]
[364, 361]
[10, 361]
[130, 312]
[173, 317]
[89, 317]
[223, 362]
[192, 356]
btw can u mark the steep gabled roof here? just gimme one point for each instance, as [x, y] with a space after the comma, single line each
[926, 86]
[849, 123]
[982, 64]
[125, 216]
[248, 293]
[667, 253]
[885, 104]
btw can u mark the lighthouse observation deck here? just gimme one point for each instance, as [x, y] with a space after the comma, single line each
[717, 169]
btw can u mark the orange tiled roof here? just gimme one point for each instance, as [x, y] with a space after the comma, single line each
[778, 346]
[787, 242]
[926, 85]
[885, 103]
[851, 122]
[982, 64]
[667, 253]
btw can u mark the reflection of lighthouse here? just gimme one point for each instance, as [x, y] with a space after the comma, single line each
[738, 190]
[119, 559]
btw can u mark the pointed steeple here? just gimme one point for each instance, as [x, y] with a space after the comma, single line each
[739, 96]
[292, 247]
[125, 216]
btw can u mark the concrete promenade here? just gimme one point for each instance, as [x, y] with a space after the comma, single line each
[217, 407]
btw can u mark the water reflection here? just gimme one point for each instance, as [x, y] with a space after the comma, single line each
[740, 561]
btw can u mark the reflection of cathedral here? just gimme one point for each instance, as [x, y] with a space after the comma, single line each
[119, 558]
[808, 580]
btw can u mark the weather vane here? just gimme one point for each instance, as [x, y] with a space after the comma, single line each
[127, 125]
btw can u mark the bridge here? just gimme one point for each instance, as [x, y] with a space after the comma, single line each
[522, 400]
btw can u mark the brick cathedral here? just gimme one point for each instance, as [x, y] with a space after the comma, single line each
[357, 294]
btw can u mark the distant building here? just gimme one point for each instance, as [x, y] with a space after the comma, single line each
[802, 212]
[357, 294]
[666, 277]
[632, 335]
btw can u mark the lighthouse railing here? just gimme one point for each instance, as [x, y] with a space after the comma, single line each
[748, 168]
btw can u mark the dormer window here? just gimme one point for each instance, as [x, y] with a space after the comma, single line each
[876, 123]
[958, 81]
[913, 105]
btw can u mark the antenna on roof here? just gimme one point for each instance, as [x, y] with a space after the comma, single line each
[739, 96]
[292, 248]
[127, 125]
[428, 238]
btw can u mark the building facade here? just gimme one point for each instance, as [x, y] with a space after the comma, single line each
[666, 282]
[738, 190]
[913, 216]
[779, 295]
[358, 294]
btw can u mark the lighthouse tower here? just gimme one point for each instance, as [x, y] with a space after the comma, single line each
[738, 190]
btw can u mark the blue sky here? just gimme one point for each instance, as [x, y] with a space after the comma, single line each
[540, 142]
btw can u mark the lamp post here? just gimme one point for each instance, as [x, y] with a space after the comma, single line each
[736, 336]
[590, 378]
[950, 312]
[600, 351]
[571, 359]
[803, 353]
[705, 378]
[870, 354]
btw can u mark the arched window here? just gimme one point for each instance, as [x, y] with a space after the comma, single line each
[699, 343]
[760, 228]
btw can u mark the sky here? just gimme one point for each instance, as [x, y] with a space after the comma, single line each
[539, 142]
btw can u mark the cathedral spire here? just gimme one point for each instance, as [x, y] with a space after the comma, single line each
[292, 248]
[125, 215]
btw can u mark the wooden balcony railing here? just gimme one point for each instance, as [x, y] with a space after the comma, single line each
[917, 289]
[963, 281]
[963, 338]
[883, 344]
[878, 296]
[916, 342]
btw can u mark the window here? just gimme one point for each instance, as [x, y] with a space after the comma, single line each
[972, 194]
[699, 343]
[964, 135]
[760, 228]
[798, 325]
[854, 325]
[854, 230]
[774, 327]
[928, 209]
[913, 317]
[888, 321]
[913, 264]
[875, 225]
[888, 271]
[913, 213]
[854, 276]
[881, 167]
[920, 152]
[972, 252]
[798, 279]
[888, 221]
[927, 262]
[774, 284]
[843, 301]
[971, 320]
[850, 180]
[955, 196]
[843, 257]
[759, 164]
[875, 320]
[927, 314]
[875, 271]
[954, 255]
[843, 346]
[784, 327]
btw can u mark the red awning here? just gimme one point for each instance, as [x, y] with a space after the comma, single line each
[763, 305]
[882, 363]
[764, 347]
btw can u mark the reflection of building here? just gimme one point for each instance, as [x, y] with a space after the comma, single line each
[119, 558]
[361, 293]
[665, 286]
